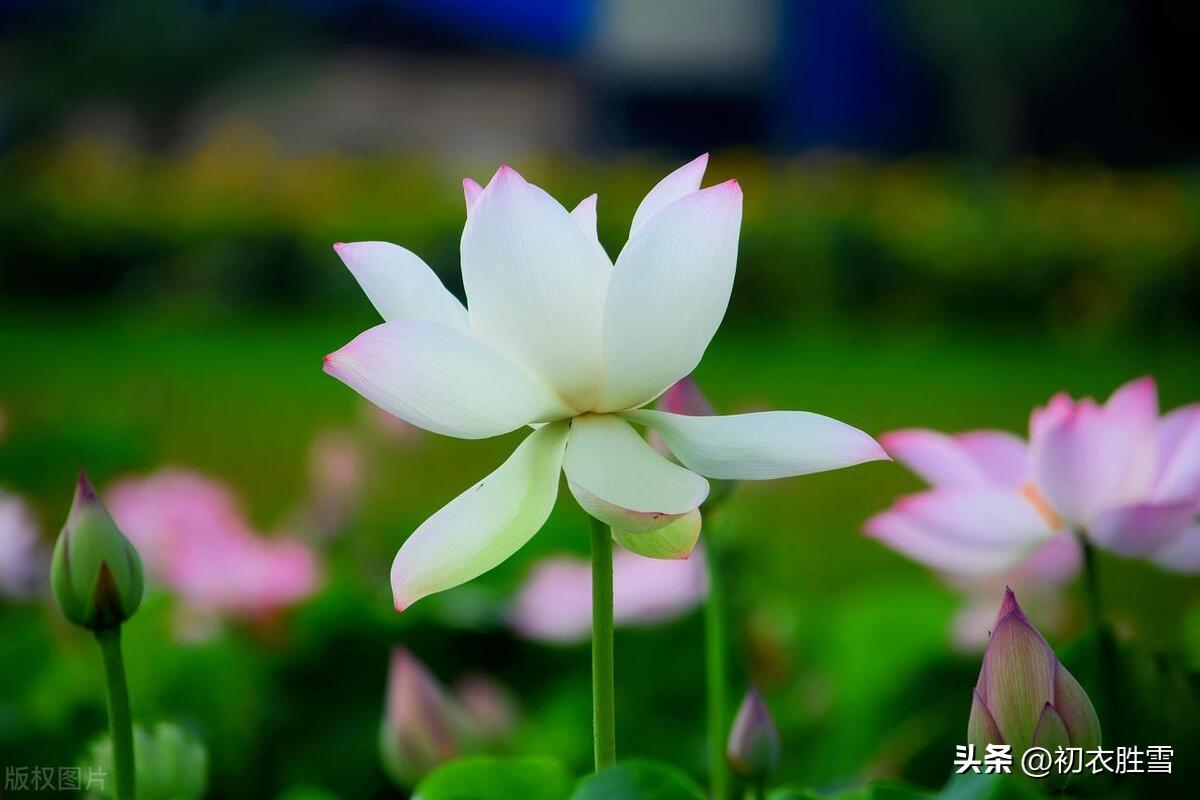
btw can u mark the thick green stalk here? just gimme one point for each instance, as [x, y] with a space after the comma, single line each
[716, 670]
[120, 723]
[603, 701]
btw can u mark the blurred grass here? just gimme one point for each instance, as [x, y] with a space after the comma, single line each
[1067, 249]
[849, 639]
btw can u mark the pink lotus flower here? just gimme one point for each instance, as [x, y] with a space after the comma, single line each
[1040, 578]
[560, 338]
[1117, 473]
[21, 561]
[194, 540]
[555, 603]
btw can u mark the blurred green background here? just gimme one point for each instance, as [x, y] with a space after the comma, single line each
[952, 211]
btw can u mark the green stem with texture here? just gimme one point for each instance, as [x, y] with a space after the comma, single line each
[603, 687]
[120, 722]
[716, 670]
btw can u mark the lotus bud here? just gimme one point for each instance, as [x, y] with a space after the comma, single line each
[753, 747]
[423, 726]
[1025, 697]
[490, 709]
[172, 764]
[95, 573]
[684, 397]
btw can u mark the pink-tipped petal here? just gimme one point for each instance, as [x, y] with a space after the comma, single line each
[1135, 402]
[939, 459]
[971, 534]
[1182, 554]
[985, 516]
[1002, 456]
[441, 379]
[535, 285]
[1177, 476]
[1089, 458]
[1140, 529]
[400, 285]
[668, 294]
[679, 183]
[471, 193]
[760, 446]
[1009, 605]
[910, 538]
[483, 526]
[620, 480]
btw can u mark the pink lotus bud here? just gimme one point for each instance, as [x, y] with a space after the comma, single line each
[753, 748]
[337, 472]
[684, 397]
[422, 727]
[1025, 697]
[489, 707]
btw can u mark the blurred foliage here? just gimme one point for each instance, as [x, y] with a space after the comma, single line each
[1036, 245]
[487, 778]
[171, 763]
[849, 642]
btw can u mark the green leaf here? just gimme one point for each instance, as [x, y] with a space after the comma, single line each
[492, 778]
[639, 780]
[792, 793]
[892, 790]
[990, 787]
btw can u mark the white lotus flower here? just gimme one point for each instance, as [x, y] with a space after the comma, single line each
[558, 338]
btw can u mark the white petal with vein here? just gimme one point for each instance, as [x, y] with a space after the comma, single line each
[619, 479]
[682, 181]
[535, 285]
[769, 444]
[441, 379]
[668, 294]
[676, 540]
[400, 285]
[484, 525]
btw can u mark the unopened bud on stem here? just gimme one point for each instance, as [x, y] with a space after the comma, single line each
[95, 574]
[753, 748]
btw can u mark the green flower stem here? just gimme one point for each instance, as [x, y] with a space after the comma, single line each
[1091, 578]
[1106, 645]
[603, 702]
[716, 670]
[120, 723]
